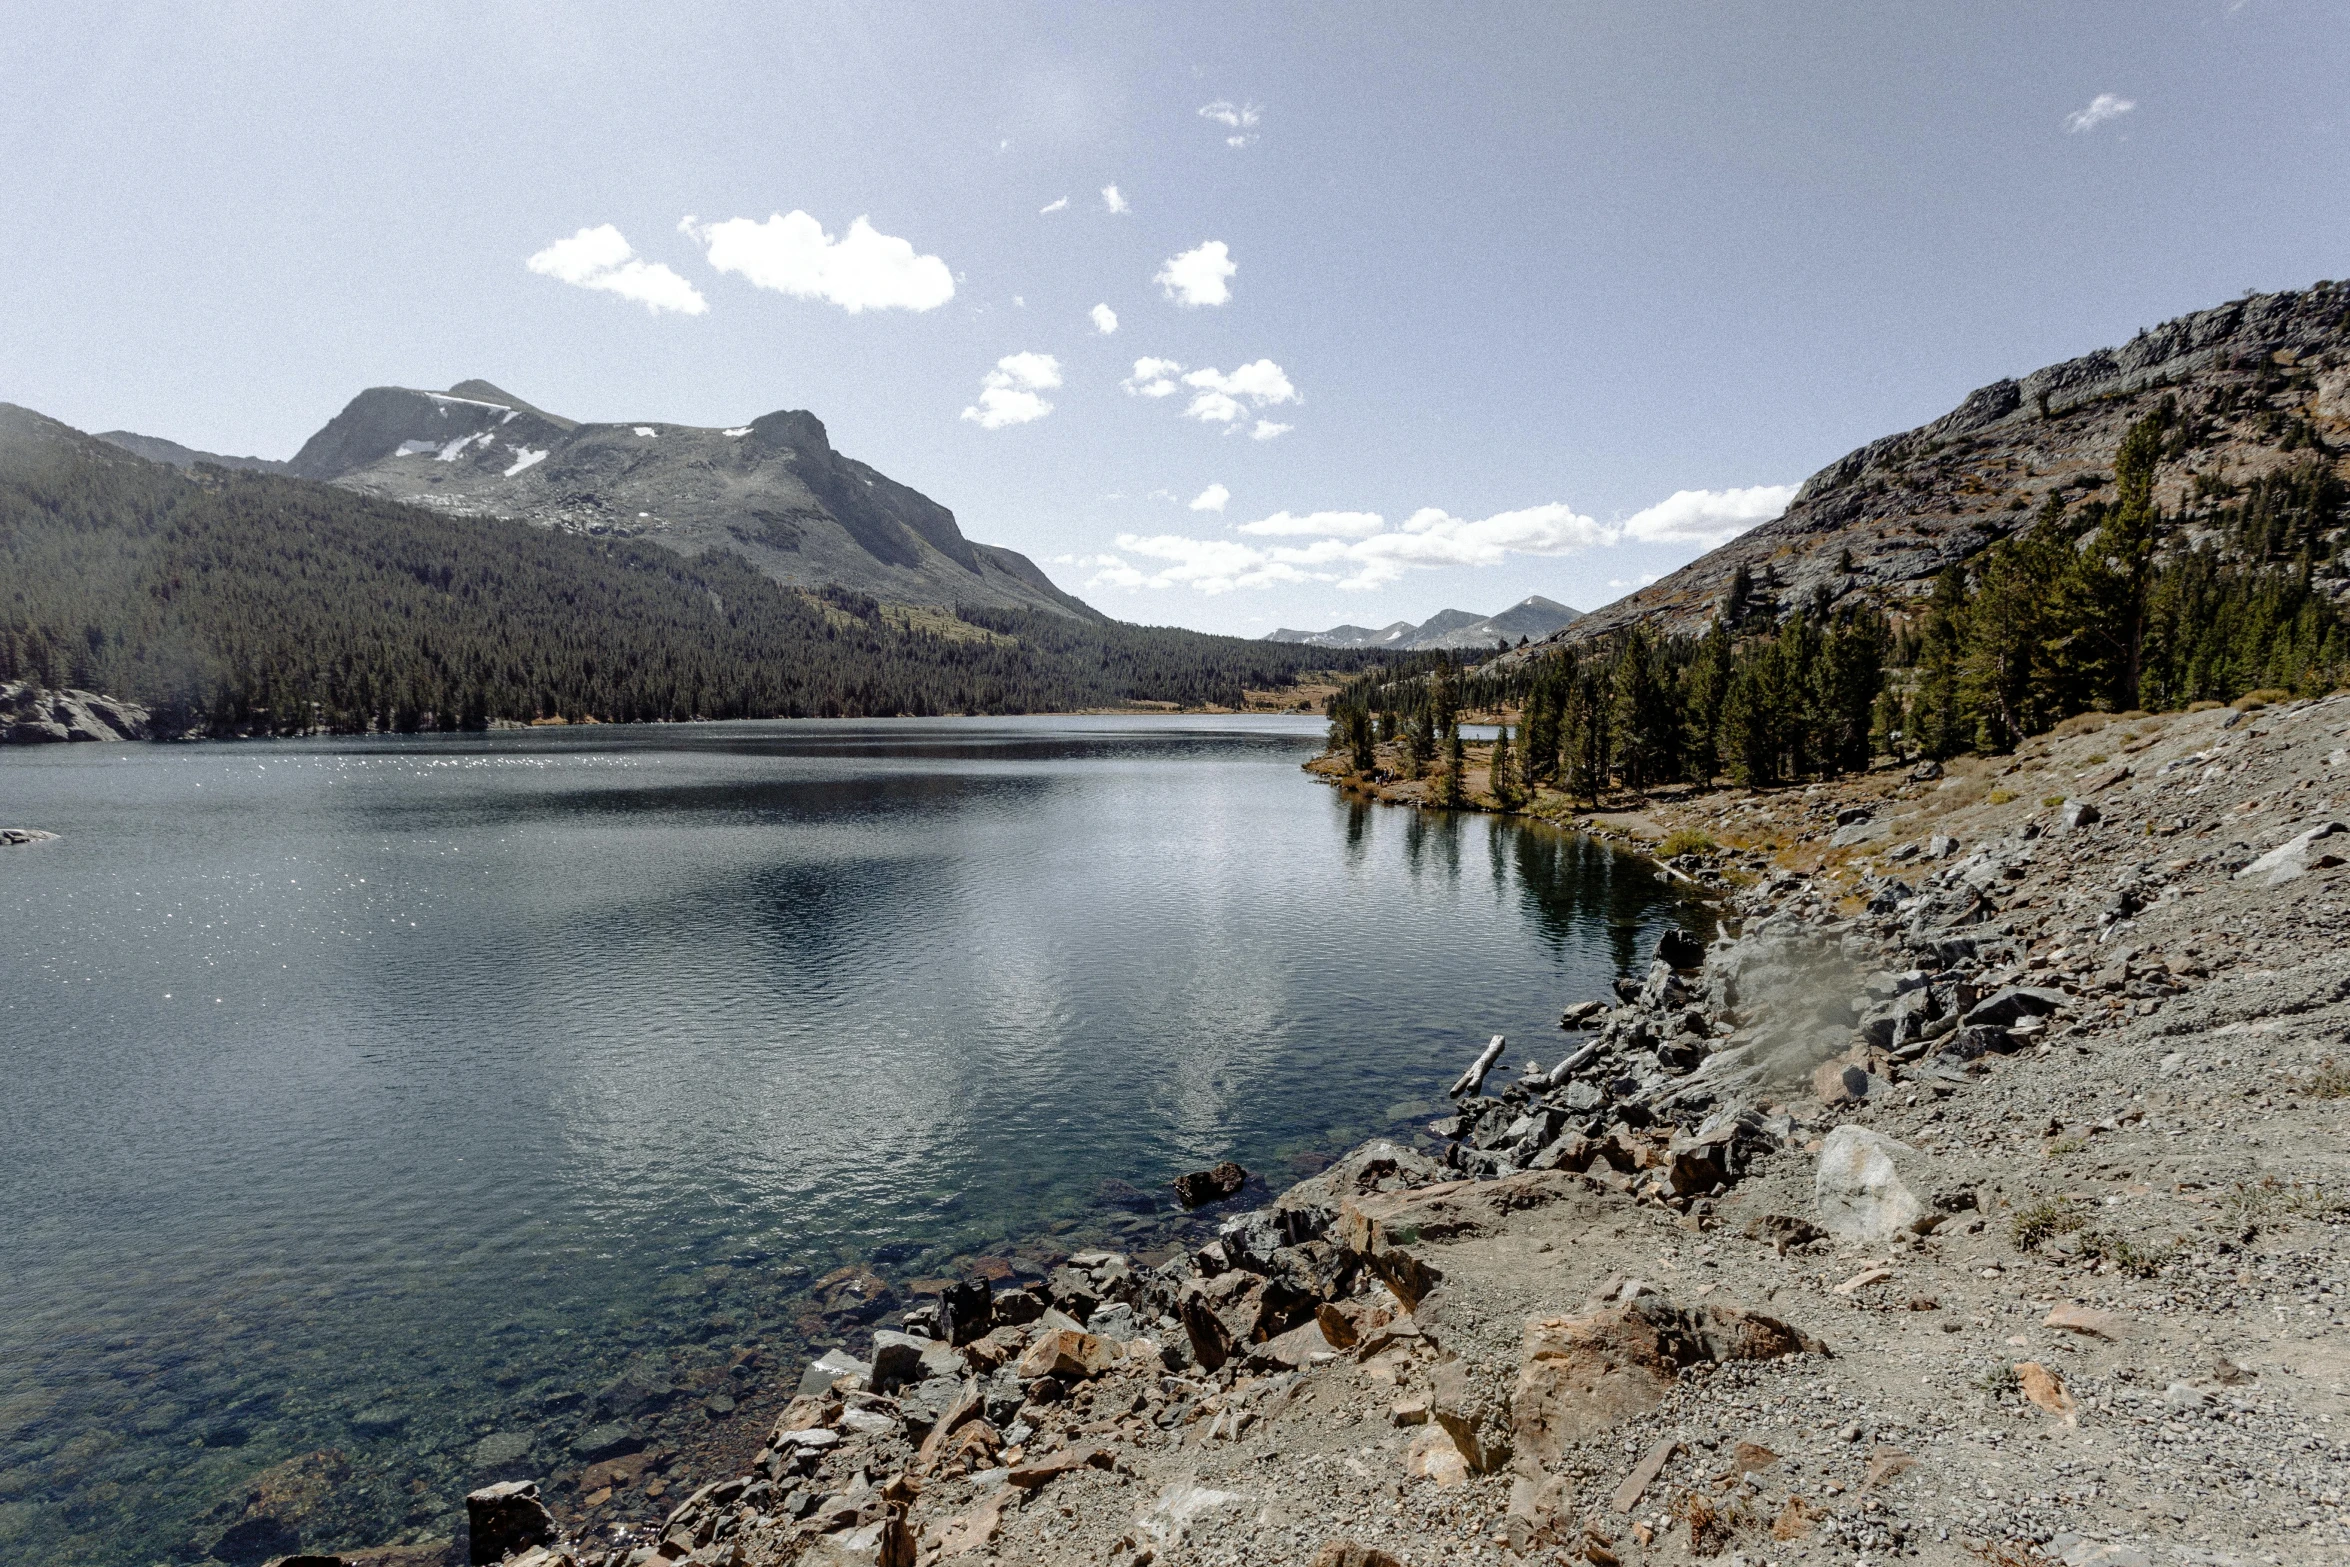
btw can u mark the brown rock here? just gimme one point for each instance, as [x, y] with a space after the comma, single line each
[1346, 1553]
[1581, 1375]
[2046, 1389]
[1202, 1187]
[968, 1531]
[1885, 1464]
[1794, 1520]
[1295, 1348]
[1067, 1355]
[1750, 1457]
[1843, 1083]
[942, 1439]
[1068, 1460]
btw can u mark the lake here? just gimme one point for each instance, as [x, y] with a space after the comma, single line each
[401, 1097]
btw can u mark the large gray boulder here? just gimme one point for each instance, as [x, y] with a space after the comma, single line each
[505, 1518]
[1858, 1189]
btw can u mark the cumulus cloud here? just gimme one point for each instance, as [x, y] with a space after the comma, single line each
[1152, 378]
[1105, 320]
[1008, 393]
[2105, 106]
[1359, 550]
[1211, 499]
[1113, 202]
[1239, 119]
[1268, 429]
[1052, 206]
[1218, 398]
[1707, 517]
[600, 258]
[864, 269]
[1200, 276]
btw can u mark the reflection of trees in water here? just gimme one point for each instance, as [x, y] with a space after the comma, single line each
[1576, 887]
[1358, 830]
[1432, 841]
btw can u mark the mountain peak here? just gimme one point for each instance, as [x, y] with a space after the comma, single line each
[1533, 616]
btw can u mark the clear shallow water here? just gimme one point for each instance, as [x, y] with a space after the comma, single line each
[383, 1094]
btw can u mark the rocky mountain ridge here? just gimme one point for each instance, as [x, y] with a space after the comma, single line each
[1533, 616]
[2262, 383]
[772, 490]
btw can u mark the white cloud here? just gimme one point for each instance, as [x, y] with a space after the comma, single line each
[1200, 276]
[862, 270]
[2105, 106]
[1105, 320]
[1152, 378]
[1268, 429]
[1052, 206]
[1113, 202]
[1008, 393]
[600, 258]
[1240, 119]
[1357, 550]
[1211, 499]
[1707, 517]
[1218, 398]
[1319, 524]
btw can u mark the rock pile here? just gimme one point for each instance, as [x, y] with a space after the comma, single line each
[35, 715]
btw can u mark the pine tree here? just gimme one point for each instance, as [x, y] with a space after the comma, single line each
[1502, 773]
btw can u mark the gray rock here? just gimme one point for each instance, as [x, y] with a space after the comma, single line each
[608, 1440]
[2074, 815]
[35, 715]
[2295, 856]
[830, 1367]
[1858, 1192]
[901, 1359]
[2013, 1005]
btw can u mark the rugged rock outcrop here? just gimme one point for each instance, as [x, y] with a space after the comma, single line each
[2262, 382]
[36, 715]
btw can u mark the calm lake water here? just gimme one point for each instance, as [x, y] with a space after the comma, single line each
[382, 1095]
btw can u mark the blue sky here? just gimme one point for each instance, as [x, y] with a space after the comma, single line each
[1462, 303]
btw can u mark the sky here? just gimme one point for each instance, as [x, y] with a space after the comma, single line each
[1230, 316]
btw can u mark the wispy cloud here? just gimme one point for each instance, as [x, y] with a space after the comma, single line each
[1357, 550]
[1200, 276]
[862, 270]
[1105, 320]
[1211, 499]
[1054, 205]
[1152, 378]
[1217, 398]
[600, 258]
[1239, 119]
[2105, 106]
[1268, 429]
[1113, 202]
[1008, 393]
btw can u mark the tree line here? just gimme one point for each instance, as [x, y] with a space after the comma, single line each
[241, 603]
[2083, 610]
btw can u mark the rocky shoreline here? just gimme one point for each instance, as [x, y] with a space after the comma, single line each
[1975, 1194]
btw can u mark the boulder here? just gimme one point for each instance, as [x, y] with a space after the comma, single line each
[1342, 1552]
[831, 1367]
[2012, 1005]
[2074, 815]
[901, 1360]
[1857, 1189]
[1202, 1187]
[1679, 949]
[2299, 855]
[1070, 1357]
[966, 1310]
[1579, 1376]
[505, 1518]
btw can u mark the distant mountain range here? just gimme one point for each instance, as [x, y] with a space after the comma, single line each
[1533, 616]
[773, 491]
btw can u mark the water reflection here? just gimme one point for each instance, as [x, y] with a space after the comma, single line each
[454, 1076]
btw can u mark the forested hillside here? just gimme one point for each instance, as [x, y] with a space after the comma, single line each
[2110, 603]
[250, 603]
